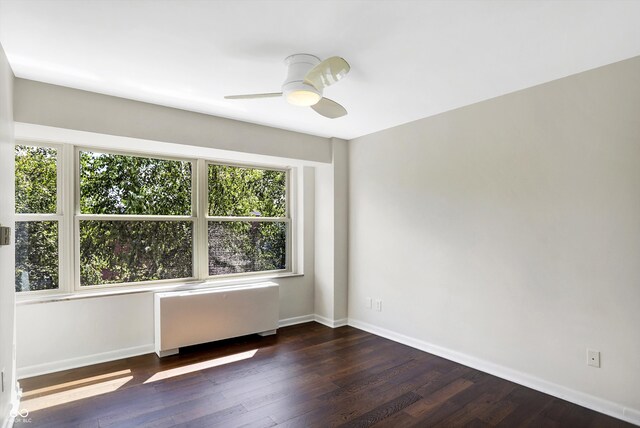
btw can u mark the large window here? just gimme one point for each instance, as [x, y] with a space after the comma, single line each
[247, 219]
[135, 220]
[38, 216]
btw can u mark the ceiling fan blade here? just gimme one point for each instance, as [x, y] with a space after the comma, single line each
[253, 96]
[329, 108]
[327, 72]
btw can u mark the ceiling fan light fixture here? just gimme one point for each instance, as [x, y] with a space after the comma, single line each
[301, 94]
[303, 98]
[307, 77]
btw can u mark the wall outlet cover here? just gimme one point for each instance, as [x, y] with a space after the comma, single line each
[593, 358]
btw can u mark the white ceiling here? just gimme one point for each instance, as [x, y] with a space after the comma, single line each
[409, 59]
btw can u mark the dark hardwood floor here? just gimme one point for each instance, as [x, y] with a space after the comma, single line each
[306, 376]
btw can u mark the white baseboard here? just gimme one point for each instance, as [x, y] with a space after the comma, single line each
[586, 400]
[295, 320]
[631, 415]
[72, 363]
[329, 322]
[313, 317]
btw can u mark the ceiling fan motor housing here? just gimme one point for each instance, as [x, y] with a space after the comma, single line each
[294, 88]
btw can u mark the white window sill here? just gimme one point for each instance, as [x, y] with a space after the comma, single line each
[192, 285]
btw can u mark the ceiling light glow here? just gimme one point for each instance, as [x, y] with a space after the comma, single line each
[303, 98]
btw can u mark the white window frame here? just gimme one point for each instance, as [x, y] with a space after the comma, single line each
[69, 217]
[58, 216]
[134, 217]
[289, 239]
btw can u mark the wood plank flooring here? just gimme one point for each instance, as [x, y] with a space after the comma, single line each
[307, 375]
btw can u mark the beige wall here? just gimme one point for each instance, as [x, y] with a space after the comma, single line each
[507, 234]
[331, 267]
[7, 257]
[58, 106]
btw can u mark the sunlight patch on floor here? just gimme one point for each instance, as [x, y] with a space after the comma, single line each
[70, 385]
[69, 395]
[178, 371]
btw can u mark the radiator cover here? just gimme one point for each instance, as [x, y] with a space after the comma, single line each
[184, 318]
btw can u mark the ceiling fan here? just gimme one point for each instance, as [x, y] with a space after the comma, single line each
[307, 76]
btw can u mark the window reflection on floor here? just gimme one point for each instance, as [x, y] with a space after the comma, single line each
[201, 366]
[67, 392]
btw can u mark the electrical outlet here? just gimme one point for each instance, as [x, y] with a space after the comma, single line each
[593, 358]
[368, 303]
[378, 305]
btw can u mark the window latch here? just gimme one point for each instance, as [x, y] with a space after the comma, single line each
[5, 235]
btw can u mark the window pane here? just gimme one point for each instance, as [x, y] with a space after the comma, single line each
[119, 184]
[36, 178]
[36, 255]
[130, 251]
[242, 246]
[235, 191]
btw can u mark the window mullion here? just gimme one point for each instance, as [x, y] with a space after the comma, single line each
[74, 205]
[66, 206]
[202, 224]
[38, 217]
[76, 222]
[291, 213]
[133, 217]
[240, 218]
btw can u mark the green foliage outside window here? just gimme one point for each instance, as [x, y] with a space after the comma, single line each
[253, 192]
[36, 241]
[131, 250]
[240, 246]
[131, 185]
[36, 255]
[113, 252]
[36, 177]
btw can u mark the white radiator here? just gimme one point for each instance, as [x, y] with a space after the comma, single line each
[184, 318]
